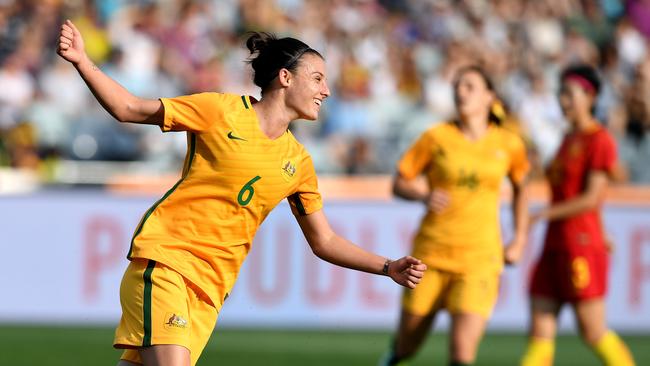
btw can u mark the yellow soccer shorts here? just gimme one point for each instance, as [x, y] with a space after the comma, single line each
[459, 293]
[160, 306]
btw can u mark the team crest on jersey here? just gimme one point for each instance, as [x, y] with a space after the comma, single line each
[173, 320]
[575, 149]
[440, 153]
[288, 169]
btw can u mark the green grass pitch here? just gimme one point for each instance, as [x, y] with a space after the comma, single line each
[66, 345]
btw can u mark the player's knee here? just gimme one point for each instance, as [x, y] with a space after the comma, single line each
[463, 349]
[543, 328]
[591, 335]
[591, 332]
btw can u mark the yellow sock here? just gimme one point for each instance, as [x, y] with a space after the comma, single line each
[612, 350]
[539, 352]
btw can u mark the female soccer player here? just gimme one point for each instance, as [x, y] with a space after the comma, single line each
[465, 162]
[573, 265]
[241, 162]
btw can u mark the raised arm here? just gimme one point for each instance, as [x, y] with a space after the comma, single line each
[327, 245]
[122, 105]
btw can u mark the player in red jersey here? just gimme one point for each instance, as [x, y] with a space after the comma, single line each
[574, 264]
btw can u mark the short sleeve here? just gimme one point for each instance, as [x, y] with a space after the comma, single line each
[603, 154]
[519, 164]
[417, 157]
[195, 112]
[307, 199]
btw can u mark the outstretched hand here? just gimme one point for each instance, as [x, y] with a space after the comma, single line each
[407, 271]
[71, 44]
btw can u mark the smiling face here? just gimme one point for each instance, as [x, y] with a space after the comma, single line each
[307, 87]
[472, 95]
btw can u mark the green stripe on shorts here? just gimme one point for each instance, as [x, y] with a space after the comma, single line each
[146, 305]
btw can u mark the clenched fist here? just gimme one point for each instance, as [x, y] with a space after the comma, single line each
[407, 271]
[71, 45]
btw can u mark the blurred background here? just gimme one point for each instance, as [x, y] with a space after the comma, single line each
[74, 182]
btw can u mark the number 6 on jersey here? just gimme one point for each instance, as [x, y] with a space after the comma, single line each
[247, 188]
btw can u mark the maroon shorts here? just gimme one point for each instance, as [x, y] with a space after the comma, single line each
[570, 276]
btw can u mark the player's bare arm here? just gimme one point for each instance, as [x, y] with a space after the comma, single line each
[588, 200]
[327, 245]
[416, 189]
[515, 249]
[122, 105]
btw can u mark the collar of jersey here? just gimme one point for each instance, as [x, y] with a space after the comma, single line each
[256, 121]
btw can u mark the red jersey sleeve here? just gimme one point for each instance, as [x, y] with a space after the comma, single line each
[603, 153]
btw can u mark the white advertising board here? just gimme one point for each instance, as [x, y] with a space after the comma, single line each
[64, 254]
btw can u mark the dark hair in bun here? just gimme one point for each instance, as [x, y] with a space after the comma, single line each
[270, 54]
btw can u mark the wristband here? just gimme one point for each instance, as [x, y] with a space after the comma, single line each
[386, 265]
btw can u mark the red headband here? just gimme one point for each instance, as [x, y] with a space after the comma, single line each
[582, 81]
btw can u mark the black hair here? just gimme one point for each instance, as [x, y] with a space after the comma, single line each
[497, 113]
[270, 54]
[584, 71]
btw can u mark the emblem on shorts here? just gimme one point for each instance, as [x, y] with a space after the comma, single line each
[288, 169]
[173, 320]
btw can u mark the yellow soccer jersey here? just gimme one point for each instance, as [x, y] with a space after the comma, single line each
[233, 176]
[466, 234]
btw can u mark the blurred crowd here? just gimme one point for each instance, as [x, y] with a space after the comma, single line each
[390, 64]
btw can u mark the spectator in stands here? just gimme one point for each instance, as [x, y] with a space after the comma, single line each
[634, 139]
[408, 51]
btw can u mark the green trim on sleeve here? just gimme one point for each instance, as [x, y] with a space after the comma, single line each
[243, 98]
[296, 201]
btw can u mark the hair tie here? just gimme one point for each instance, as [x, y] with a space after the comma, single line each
[498, 110]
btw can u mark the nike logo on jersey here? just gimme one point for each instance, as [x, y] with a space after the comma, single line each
[233, 137]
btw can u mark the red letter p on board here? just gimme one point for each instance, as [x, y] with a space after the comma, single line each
[103, 240]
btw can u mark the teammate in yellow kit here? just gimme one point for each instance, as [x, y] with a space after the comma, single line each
[241, 162]
[465, 162]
